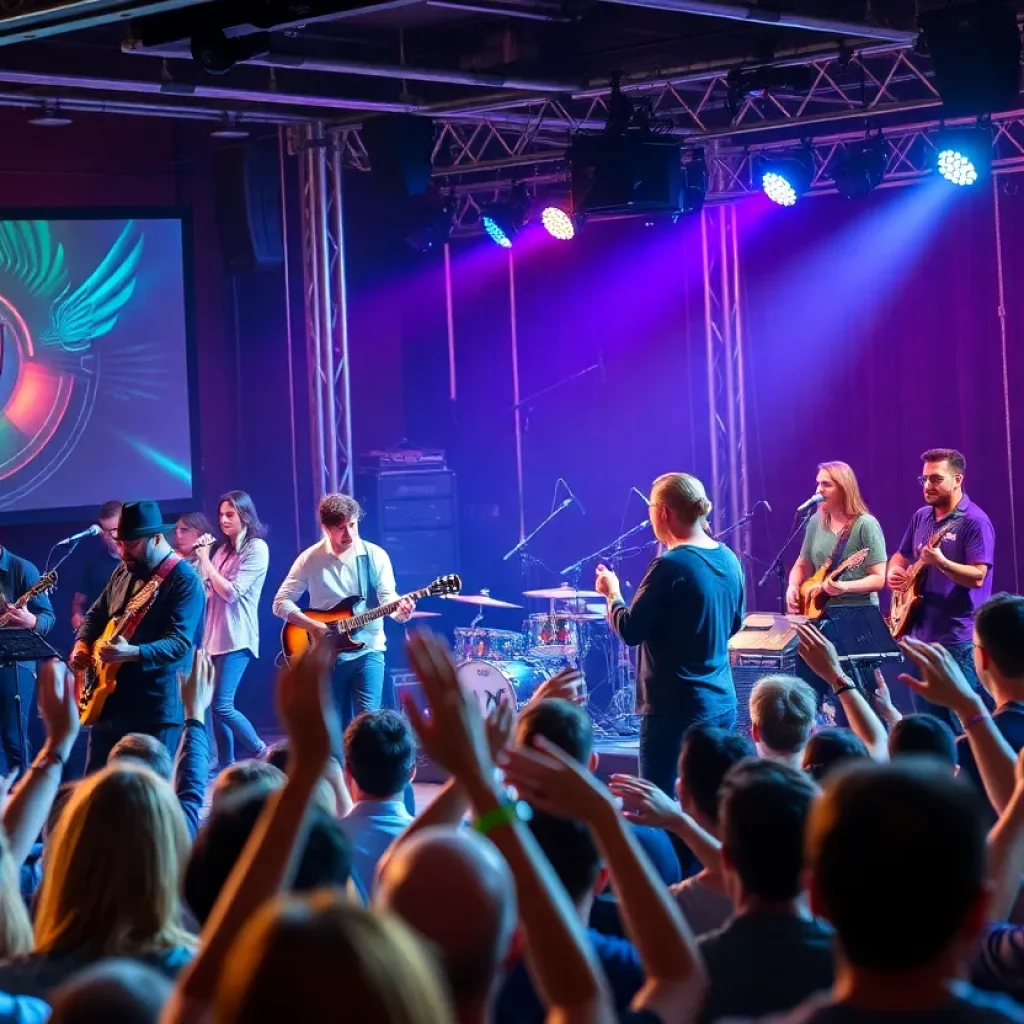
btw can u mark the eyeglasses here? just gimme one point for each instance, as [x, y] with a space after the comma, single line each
[935, 479]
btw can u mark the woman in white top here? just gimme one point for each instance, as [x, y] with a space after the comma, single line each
[233, 571]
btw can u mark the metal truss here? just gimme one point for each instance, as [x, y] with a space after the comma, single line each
[726, 388]
[323, 262]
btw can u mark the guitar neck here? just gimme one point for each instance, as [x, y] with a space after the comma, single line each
[365, 618]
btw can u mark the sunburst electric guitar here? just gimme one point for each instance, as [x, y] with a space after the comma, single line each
[813, 598]
[43, 585]
[342, 622]
[905, 602]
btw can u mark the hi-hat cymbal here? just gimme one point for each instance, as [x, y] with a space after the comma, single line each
[481, 600]
[560, 594]
[425, 615]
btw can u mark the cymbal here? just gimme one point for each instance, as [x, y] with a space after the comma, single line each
[560, 594]
[425, 615]
[481, 600]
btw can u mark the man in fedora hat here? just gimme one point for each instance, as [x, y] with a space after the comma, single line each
[146, 698]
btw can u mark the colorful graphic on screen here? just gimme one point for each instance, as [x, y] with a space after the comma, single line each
[94, 399]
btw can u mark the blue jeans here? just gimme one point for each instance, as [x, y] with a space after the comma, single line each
[357, 685]
[963, 655]
[661, 737]
[229, 724]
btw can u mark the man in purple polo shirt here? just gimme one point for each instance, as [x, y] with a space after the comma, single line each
[958, 576]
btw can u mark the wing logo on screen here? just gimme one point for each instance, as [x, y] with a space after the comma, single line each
[63, 291]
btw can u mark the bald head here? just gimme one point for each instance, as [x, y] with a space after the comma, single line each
[441, 869]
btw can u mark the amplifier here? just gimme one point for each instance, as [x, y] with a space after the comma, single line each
[766, 645]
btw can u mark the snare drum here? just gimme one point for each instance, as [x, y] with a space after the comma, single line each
[552, 636]
[488, 644]
[491, 681]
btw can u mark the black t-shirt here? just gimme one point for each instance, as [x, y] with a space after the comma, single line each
[764, 963]
[1009, 720]
[687, 607]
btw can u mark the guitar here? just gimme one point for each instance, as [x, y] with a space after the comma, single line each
[812, 597]
[43, 585]
[905, 602]
[341, 621]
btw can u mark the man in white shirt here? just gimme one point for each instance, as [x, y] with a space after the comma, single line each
[341, 565]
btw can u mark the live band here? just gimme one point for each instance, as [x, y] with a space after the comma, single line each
[152, 591]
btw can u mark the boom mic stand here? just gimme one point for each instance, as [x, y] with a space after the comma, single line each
[777, 568]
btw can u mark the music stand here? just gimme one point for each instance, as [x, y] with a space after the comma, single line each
[18, 645]
[860, 635]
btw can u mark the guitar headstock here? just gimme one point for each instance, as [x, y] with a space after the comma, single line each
[450, 584]
[46, 583]
[857, 558]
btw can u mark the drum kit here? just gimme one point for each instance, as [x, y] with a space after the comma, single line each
[497, 664]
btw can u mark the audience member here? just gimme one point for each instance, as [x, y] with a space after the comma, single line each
[782, 710]
[241, 775]
[110, 886]
[917, 734]
[828, 748]
[380, 761]
[114, 992]
[334, 775]
[15, 926]
[346, 962]
[900, 948]
[143, 749]
[772, 954]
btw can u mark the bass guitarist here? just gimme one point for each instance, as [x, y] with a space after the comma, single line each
[146, 697]
[340, 566]
[957, 566]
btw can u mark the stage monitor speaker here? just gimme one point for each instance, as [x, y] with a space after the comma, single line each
[975, 50]
[401, 148]
[247, 191]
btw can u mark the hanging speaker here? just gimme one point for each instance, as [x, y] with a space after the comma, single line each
[247, 190]
[400, 147]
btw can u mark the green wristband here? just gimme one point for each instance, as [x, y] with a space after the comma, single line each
[504, 814]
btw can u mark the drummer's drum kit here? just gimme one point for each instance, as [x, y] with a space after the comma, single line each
[501, 664]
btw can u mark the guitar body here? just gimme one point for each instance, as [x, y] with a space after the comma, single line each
[97, 682]
[812, 598]
[903, 606]
[295, 640]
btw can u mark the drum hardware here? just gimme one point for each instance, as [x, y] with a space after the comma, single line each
[481, 644]
[493, 681]
[562, 593]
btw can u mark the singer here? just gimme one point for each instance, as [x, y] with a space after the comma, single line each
[688, 605]
[841, 526]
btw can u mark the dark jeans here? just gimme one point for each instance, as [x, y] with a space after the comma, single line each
[963, 655]
[228, 724]
[357, 685]
[17, 698]
[103, 738]
[661, 737]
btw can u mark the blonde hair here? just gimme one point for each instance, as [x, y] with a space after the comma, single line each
[845, 479]
[300, 958]
[15, 925]
[684, 495]
[113, 867]
[783, 709]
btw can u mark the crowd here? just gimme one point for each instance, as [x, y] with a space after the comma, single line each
[842, 875]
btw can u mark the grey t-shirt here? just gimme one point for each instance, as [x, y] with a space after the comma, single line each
[819, 542]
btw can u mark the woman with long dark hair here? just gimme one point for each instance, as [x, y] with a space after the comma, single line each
[234, 571]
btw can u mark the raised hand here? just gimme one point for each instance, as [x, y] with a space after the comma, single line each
[888, 711]
[306, 708]
[607, 583]
[818, 652]
[55, 695]
[643, 802]
[454, 735]
[501, 721]
[550, 780]
[563, 686]
[197, 688]
[942, 680]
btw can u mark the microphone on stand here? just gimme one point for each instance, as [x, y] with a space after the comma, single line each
[93, 531]
[814, 499]
[640, 494]
[764, 504]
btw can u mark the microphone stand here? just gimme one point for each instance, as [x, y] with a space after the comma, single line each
[533, 533]
[615, 544]
[741, 522]
[776, 568]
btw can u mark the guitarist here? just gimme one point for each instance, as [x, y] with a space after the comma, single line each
[341, 565]
[957, 579]
[146, 698]
[18, 682]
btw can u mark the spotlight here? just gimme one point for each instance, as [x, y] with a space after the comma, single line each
[50, 116]
[503, 221]
[559, 224]
[431, 221]
[964, 156]
[860, 167]
[230, 128]
[786, 178]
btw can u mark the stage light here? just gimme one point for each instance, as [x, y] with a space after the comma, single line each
[558, 223]
[860, 167]
[50, 117]
[962, 157]
[785, 179]
[504, 220]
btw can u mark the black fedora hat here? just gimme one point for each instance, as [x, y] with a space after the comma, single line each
[141, 519]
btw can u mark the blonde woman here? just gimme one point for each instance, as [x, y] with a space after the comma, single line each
[688, 605]
[111, 876]
[321, 957]
[842, 515]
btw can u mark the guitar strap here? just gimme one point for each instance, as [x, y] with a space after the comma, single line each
[839, 548]
[163, 570]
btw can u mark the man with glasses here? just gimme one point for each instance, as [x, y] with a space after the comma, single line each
[102, 559]
[958, 566]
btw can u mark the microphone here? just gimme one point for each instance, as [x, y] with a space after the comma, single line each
[576, 501]
[814, 499]
[764, 504]
[93, 531]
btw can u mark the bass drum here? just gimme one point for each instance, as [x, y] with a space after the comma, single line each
[493, 681]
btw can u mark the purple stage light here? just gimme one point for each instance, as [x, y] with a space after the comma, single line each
[956, 167]
[778, 188]
[558, 223]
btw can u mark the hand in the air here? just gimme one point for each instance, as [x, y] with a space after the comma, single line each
[197, 688]
[564, 686]
[942, 680]
[818, 653]
[306, 709]
[58, 707]
[607, 583]
[643, 802]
